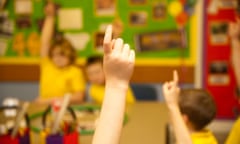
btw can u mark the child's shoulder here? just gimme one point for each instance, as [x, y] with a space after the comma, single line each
[203, 136]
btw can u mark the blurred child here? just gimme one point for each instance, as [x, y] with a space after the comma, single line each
[234, 33]
[191, 111]
[59, 74]
[118, 66]
[95, 75]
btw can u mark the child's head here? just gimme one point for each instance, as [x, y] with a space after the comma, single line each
[94, 70]
[62, 53]
[198, 106]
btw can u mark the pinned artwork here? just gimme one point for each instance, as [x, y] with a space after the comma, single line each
[99, 41]
[138, 18]
[23, 7]
[70, 19]
[159, 11]
[6, 25]
[2, 4]
[105, 7]
[219, 33]
[78, 40]
[23, 22]
[19, 44]
[33, 44]
[218, 73]
[161, 40]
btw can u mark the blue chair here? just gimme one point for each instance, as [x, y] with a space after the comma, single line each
[144, 92]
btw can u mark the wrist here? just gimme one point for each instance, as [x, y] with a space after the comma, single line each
[173, 107]
[117, 85]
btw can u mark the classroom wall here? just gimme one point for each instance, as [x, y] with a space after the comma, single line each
[151, 62]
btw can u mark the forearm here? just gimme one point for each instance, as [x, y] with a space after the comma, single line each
[180, 129]
[235, 53]
[109, 128]
[47, 34]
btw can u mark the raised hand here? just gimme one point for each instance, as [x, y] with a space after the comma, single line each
[118, 59]
[171, 91]
[50, 9]
[118, 66]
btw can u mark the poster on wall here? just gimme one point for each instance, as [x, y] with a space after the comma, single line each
[159, 11]
[161, 40]
[23, 7]
[219, 33]
[105, 7]
[219, 73]
[70, 19]
[138, 18]
[99, 36]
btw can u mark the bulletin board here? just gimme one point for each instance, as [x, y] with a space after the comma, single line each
[218, 73]
[139, 20]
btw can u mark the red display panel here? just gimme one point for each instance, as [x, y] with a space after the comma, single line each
[218, 76]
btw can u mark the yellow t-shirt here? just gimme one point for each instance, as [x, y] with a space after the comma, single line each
[55, 82]
[203, 137]
[234, 136]
[96, 92]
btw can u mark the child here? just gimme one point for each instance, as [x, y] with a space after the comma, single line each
[118, 66]
[95, 75]
[234, 33]
[59, 74]
[190, 110]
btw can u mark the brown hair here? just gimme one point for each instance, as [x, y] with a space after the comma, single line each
[66, 49]
[94, 59]
[198, 105]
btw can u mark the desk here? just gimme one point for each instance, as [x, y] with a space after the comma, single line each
[146, 124]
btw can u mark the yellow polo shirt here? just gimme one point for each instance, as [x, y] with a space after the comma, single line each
[203, 137]
[234, 136]
[55, 82]
[96, 93]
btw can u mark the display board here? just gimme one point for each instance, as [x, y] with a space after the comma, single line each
[148, 26]
[219, 77]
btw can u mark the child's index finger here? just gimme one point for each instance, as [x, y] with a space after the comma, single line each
[107, 39]
[175, 76]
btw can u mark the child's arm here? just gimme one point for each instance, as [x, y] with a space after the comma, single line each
[234, 33]
[118, 67]
[48, 29]
[171, 93]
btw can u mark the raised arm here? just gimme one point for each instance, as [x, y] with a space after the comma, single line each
[48, 29]
[234, 33]
[171, 93]
[118, 67]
